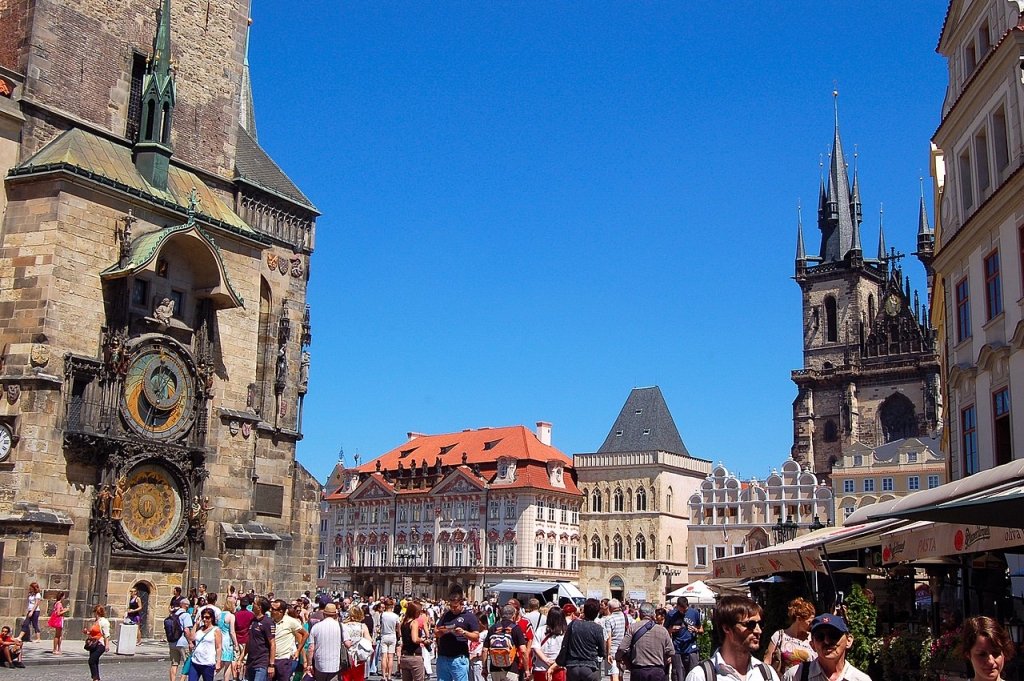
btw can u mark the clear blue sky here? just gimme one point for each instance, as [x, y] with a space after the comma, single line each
[530, 208]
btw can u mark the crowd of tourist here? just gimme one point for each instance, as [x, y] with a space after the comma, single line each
[332, 637]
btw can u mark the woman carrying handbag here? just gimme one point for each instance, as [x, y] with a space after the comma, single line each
[56, 622]
[205, 660]
[97, 640]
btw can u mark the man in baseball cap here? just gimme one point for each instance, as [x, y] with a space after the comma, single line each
[830, 638]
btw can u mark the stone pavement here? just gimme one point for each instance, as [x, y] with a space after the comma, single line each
[39, 653]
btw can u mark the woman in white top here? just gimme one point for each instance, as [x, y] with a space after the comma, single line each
[97, 640]
[547, 642]
[360, 645]
[35, 599]
[206, 655]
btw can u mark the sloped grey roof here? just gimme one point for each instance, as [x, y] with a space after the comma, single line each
[889, 449]
[644, 425]
[254, 165]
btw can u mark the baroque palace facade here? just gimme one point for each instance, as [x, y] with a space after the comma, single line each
[153, 271]
[474, 508]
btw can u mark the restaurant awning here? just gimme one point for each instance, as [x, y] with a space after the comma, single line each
[975, 498]
[804, 552]
[924, 540]
[999, 507]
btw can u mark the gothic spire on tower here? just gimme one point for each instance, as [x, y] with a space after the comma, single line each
[838, 226]
[246, 110]
[153, 150]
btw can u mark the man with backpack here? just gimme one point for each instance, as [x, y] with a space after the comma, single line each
[178, 630]
[737, 621]
[505, 646]
[647, 651]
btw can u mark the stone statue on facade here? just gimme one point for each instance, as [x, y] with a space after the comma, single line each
[164, 311]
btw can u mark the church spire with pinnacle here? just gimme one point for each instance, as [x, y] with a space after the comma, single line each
[837, 225]
[153, 150]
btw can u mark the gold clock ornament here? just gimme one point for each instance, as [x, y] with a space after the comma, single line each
[153, 509]
[158, 400]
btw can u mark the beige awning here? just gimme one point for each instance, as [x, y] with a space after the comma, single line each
[804, 552]
[926, 539]
[919, 505]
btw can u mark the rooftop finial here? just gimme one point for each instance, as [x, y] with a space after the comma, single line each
[835, 100]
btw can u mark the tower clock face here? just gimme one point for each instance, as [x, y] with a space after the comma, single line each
[159, 392]
[5, 443]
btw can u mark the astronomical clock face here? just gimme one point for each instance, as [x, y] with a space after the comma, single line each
[159, 392]
[153, 507]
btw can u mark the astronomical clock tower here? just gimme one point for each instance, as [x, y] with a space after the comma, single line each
[153, 321]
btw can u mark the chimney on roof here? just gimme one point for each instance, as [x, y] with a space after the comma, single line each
[544, 432]
[413, 435]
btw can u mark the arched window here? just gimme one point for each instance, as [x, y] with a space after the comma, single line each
[617, 501]
[831, 321]
[668, 500]
[897, 418]
[595, 502]
[617, 548]
[641, 499]
[668, 549]
[595, 548]
[831, 434]
[641, 547]
[871, 309]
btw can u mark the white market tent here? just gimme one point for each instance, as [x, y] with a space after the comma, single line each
[697, 593]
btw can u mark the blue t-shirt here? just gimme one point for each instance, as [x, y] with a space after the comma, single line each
[684, 640]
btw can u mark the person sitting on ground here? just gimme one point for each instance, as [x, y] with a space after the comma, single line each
[10, 648]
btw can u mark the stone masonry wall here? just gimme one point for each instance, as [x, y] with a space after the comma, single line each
[81, 56]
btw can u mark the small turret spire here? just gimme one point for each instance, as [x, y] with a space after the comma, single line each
[801, 254]
[153, 150]
[882, 251]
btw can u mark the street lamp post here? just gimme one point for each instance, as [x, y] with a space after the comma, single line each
[785, 531]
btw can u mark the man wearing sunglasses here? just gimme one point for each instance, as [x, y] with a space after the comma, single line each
[737, 620]
[830, 639]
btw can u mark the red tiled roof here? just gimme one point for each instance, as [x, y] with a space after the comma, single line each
[483, 447]
[514, 441]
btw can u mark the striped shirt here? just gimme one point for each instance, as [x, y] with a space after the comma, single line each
[326, 637]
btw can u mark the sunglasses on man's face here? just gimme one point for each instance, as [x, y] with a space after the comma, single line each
[827, 637]
[750, 625]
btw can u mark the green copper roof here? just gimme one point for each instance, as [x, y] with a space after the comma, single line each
[107, 162]
[144, 249]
